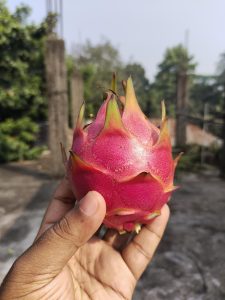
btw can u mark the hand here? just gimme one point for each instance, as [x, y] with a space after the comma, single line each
[68, 262]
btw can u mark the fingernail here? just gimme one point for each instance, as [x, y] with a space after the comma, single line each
[89, 204]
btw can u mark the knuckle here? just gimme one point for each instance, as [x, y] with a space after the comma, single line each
[63, 230]
[154, 233]
[140, 248]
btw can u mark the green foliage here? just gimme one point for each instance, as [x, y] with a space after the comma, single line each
[21, 65]
[205, 90]
[17, 139]
[21, 82]
[221, 69]
[97, 63]
[175, 60]
[208, 89]
[191, 160]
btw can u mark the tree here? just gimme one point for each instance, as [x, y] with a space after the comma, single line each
[221, 68]
[96, 64]
[205, 89]
[165, 84]
[22, 82]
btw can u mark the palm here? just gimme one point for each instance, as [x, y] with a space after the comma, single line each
[66, 263]
[96, 271]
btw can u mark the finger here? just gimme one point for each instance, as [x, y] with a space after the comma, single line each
[62, 202]
[59, 243]
[115, 239]
[140, 250]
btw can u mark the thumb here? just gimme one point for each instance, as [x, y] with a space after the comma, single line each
[58, 244]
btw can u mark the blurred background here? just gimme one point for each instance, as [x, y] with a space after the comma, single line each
[54, 54]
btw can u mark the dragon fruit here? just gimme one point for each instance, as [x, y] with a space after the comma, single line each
[124, 157]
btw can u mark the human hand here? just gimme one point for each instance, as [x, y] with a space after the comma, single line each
[67, 261]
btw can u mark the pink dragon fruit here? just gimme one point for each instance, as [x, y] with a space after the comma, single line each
[125, 158]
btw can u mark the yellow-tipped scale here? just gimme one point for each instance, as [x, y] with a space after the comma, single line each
[153, 215]
[114, 84]
[124, 85]
[177, 159]
[81, 116]
[113, 118]
[163, 110]
[131, 100]
[137, 228]
[164, 130]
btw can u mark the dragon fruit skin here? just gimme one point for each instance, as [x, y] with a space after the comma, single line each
[127, 159]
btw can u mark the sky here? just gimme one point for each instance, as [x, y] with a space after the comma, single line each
[143, 29]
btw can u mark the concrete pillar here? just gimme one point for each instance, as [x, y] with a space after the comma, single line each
[181, 109]
[56, 85]
[77, 96]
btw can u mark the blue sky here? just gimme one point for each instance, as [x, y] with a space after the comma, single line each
[143, 29]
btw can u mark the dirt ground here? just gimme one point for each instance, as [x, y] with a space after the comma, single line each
[24, 194]
[190, 262]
